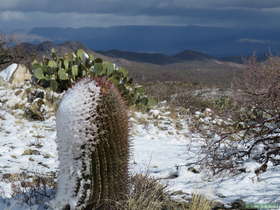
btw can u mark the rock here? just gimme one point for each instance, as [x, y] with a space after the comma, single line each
[154, 113]
[238, 204]
[34, 94]
[18, 92]
[34, 110]
[218, 206]
[31, 152]
[193, 170]
[16, 74]
[21, 75]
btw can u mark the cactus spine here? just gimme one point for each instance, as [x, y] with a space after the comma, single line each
[93, 147]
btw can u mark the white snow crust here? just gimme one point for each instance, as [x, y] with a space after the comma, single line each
[160, 149]
[76, 106]
[8, 72]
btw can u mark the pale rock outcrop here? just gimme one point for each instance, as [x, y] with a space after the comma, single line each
[16, 74]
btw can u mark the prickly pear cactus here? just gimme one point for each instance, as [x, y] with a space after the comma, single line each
[92, 139]
[59, 73]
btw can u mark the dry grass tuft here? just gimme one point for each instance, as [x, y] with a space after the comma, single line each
[199, 202]
[148, 194]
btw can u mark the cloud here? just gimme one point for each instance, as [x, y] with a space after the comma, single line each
[27, 20]
[254, 41]
[20, 37]
[11, 16]
[73, 13]
[131, 6]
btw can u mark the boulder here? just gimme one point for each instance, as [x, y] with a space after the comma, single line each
[16, 74]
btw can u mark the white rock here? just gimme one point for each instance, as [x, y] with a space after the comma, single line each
[16, 74]
[8, 72]
[20, 76]
[154, 113]
[197, 113]
[86, 55]
[208, 112]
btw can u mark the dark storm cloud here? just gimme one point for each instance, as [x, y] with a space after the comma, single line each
[257, 4]
[79, 13]
[151, 7]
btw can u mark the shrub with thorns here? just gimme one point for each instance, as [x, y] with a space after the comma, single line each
[256, 134]
[11, 51]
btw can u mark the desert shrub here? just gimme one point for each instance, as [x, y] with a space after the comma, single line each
[165, 91]
[176, 94]
[199, 202]
[8, 52]
[169, 90]
[191, 102]
[194, 97]
[148, 194]
[257, 131]
[259, 85]
[5, 55]
[59, 73]
[31, 189]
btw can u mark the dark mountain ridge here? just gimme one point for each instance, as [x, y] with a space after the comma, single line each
[44, 48]
[157, 58]
[214, 41]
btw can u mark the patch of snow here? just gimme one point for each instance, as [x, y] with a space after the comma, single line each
[8, 72]
[154, 113]
[197, 113]
[162, 155]
[86, 55]
[160, 149]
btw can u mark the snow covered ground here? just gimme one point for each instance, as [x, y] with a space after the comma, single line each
[162, 145]
[159, 152]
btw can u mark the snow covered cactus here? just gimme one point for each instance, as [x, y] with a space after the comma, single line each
[93, 147]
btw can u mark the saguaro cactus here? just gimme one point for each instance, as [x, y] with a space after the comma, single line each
[92, 139]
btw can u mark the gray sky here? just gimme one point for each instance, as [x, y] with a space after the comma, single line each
[26, 14]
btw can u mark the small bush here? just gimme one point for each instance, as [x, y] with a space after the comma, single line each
[257, 130]
[199, 202]
[9, 53]
[35, 189]
[193, 97]
[148, 194]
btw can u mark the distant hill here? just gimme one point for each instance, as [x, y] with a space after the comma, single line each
[27, 52]
[214, 41]
[243, 59]
[45, 47]
[157, 58]
[188, 55]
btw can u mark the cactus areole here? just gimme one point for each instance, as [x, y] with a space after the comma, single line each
[92, 139]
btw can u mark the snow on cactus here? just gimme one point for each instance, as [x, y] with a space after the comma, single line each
[92, 138]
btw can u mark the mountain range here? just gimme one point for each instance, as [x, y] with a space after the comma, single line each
[157, 58]
[214, 41]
